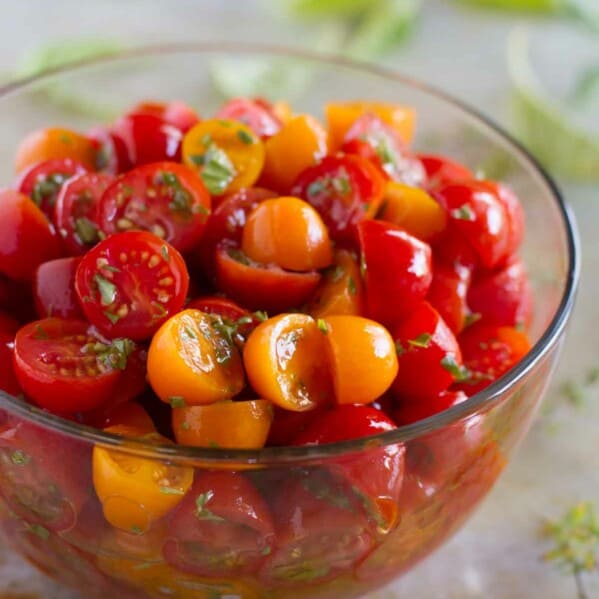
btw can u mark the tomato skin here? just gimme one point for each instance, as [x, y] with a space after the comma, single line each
[129, 414]
[441, 170]
[410, 409]
[8, 324]
[26, 237]
[258, 116]
[398, 270]
[130, 283]
[112, 155]
[54, 289]
[8, 379]
[344, 190]
[175, 113]
[287, 425]
[164, 198]
[43, 181]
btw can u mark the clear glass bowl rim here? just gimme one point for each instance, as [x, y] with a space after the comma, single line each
[273, 456]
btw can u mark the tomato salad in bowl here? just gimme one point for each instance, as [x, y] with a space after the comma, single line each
[255, 278]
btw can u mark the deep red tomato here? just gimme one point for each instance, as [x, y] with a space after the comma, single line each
[175, 113]
[113, 154]
[441, 170]
[8, 379]
[26, 237]
[222, 527]
[515, 212]
[398, 270]
[42, 181]
[131, 283]
[165, 198]
[262, 287]
[448, 291]
[54, 289]
[16, 299]
[287, 425]
[8, 324]
[452, 249]
[75, 212]
[413, 409]
[345, 190]
[256, 115]
[428, 354]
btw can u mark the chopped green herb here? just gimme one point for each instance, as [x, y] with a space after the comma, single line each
[423, 340]
[47, 188]
[472, 318]
[165, 254]
[245, 137]
[315, 188]
[351, 286]
[107, 290]
[245, 320]
[459, 373]
[322, 326]
[114, 318]
[190, 333]
[464, 212]
[181, 199]
[218, 170]
[113, 355]
[399, 348]
[40, 332]
[213, 444]
[261, 315]
[111, 268]
[40, 531]
[341, 184]
[238, 256]
[206, 139]
[176, 401]
[266, 551]
[171, 491]
[202, 512]
[384, 152]
[20, 458]
[86, 230]
[136, 530]
[185, 426]
[335, 273]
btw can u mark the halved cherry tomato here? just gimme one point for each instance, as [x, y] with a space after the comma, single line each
[26, 237]
[112, 156]
[345, 190]
[428, 353]
[441, 170]
[47, 144]
[175, 113]
[300, 143]
[257, 115]
[228, 155]
[75, 212]
[43, 181]
[130, 283]
[54, 289]
[259, 286]
[362, 358]
[226, 424]
[135, 492]
[193, 361]
[223, 527]
[8, 379]
[398, 270]
[413, 409]
[283, 358]
[165, 198]
[341, 290]
[288, 232]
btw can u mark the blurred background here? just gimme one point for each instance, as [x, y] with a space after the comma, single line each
[531, 65]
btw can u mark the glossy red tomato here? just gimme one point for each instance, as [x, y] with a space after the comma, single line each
[258, 116]
[344, 190]
[42, 181]
[287, 425]
[8, 379]
[26, 237]
[175, 113]
[441, 170]
[398, 270]
[54, 289]
[515, 212]
[75, 212]
[222, 527]
[165, 198]
[413, 409]
[112, 156]
[131, 283]
[453, 249]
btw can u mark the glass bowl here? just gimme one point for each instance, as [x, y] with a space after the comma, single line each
[332, 521]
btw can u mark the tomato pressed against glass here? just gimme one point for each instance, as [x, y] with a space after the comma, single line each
[54, 289]
[441, 170]
[413, 409]
[75, 211]
[175, 113]
[164, 198]
[287, 425]
[130, 283]
[257, 115]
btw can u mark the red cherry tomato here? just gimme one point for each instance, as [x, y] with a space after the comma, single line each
[413, 409]
[441, 170]
[175, 113]
[515, 213]
[398, 270]
[8, 325]
[54, 289]
[16, 299]
[256, 115]
[165, 198]
[26, 237]
[75, 212]
[42, 181]
[344, 190]
[452, 248]
[222, 527]
[287, 425]
[131, 283]
[8, 379]
[112, 156]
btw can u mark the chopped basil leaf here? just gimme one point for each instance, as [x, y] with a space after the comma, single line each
[185, 426]
[171, 491]
[351, 286]
[48, 187]
[464, 212]
[113, 355]
[218, 170]
[40, 531]
[202, 512]
[472, 318]
[40, 332]
[20, 458]
[107, 290]
[335, 273]
[459, 373]
[245, 137]
[165, 254]
[114, 318]
[399, 348]
[423, 340]
[238, 256]
[315, 188]
[177, 401]
[322, 326]
[86, 230]
[261, 315]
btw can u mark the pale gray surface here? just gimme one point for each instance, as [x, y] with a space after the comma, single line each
[496, 556]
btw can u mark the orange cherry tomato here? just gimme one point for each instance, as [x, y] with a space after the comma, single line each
[227, 154]
[282, 110]
[193, 360]
[412, 209]
[299, 144]
[135, 492]
[226, 424]
[284, 362]
[341, 290]
[55, 142]
[289, 232]
[363, 358]
[342, 115]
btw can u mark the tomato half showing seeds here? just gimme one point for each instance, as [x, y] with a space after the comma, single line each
[112, 155]
[65, 368]
[75, 212]
[398, 270]
[130, 283]
[225, 424]
[54, 289]
[26, 237]
[227, 154]
[135, 492]
[43, 181]
[288, 232]
[258, 116]
[164, 198]
[193, 360]
[222, 527]
[284, 361]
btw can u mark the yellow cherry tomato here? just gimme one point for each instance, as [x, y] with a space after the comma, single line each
[227, 154]
[363, 358]
[193, 361]
[285, 362]
[135, 492]
[289, 232]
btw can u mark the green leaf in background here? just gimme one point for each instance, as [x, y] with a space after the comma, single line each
[337, 9]
[539, 6]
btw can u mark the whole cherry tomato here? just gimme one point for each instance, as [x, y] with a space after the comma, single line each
[54, 289]
[441, 170]
[257, 115]
[413, 409]
[287, 425]
[175, 113]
